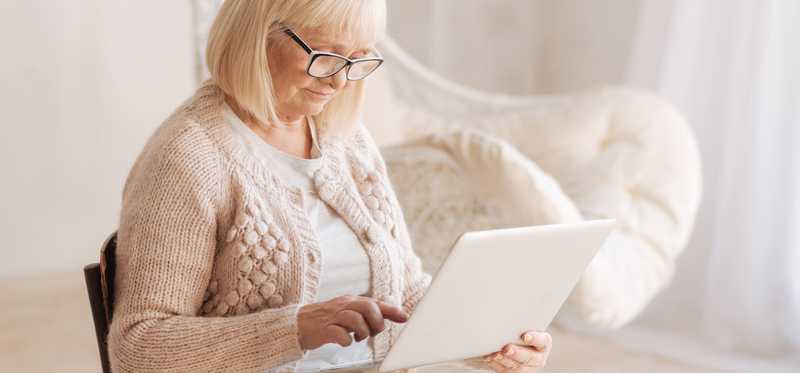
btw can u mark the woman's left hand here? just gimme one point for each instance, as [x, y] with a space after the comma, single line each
[525, 357]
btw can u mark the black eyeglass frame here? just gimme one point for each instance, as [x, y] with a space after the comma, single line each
[316, 54]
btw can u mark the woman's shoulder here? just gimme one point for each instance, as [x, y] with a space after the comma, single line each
[181, 137]
[180, 148]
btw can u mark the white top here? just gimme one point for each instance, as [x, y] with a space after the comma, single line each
[344, 263]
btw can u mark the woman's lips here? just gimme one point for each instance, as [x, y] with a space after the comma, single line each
[319, 95]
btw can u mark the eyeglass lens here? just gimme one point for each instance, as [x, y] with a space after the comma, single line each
[324, 66]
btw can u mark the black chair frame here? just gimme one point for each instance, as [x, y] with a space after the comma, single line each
[100, 287]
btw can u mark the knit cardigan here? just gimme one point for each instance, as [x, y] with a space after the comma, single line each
[216, 254]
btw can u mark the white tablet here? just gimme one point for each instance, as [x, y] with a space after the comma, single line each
[494, 285]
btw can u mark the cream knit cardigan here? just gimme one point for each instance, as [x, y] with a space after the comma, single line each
[216, 254]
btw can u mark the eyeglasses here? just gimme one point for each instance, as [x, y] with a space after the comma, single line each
[325, 64]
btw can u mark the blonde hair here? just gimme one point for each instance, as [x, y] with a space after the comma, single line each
[236, 54]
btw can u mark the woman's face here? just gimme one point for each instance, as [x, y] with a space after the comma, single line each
[298, 93]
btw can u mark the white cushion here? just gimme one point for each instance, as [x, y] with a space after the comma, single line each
[460, 180]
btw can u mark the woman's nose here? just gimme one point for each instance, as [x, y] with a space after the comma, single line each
[338, 80]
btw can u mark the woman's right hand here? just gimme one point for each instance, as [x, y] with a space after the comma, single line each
[332, 321]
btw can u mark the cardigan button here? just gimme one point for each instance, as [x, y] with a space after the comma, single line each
[372, 202]
[374, 233]
[320, 177]
[231, 234]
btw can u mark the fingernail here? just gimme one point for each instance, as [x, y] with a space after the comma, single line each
[527, 338]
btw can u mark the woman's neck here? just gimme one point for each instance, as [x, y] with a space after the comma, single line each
[294, 138]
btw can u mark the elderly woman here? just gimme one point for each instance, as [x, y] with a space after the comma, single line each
[259, 230]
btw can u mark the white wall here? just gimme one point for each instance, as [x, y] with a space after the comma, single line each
[84, 83]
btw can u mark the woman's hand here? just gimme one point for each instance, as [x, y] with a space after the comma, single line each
[333, 321]
[526, 357]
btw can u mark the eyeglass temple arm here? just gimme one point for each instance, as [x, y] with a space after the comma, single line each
[298, 40]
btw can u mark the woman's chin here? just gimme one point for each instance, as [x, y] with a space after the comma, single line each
[314, 108]
[308, 108]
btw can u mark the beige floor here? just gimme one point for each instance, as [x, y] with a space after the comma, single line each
[46, 326]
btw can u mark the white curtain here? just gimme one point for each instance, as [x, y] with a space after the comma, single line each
[731, 67]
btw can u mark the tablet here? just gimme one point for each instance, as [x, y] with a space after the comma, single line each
[494, 285]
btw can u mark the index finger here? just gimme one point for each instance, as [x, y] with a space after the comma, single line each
[536, 339]
[391, 312]
[369, 309]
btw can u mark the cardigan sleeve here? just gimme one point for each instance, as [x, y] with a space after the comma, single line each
[167, 242]
[416, 280]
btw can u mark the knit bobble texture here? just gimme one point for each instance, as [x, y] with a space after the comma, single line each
[261, 249]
